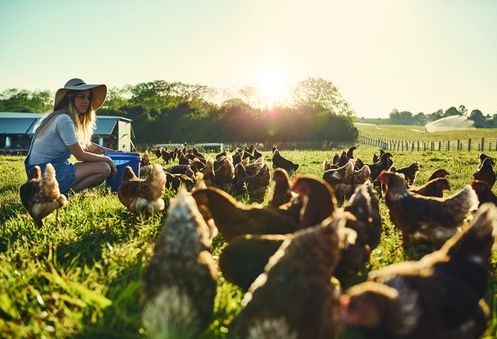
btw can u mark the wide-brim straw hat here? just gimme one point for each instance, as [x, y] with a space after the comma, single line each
[98, 92]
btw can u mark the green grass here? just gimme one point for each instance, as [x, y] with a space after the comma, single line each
[82, 278]
[403, 132]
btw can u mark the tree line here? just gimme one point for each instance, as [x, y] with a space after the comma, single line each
[397, 117]
[175, 112]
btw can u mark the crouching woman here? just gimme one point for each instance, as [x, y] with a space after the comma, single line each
[67, 131]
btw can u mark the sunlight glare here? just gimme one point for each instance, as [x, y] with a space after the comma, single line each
[272, 88]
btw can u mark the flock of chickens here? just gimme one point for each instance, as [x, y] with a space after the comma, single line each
[290, 255]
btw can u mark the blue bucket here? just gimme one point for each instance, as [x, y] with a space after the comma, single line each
[121, 160]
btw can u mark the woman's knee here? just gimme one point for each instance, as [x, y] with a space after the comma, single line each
[105, 169]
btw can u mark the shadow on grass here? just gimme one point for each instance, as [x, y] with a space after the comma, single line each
[12, 210]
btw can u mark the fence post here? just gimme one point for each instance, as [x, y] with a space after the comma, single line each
[432, 146]
[469, 144]
[448, 145]
[482, 144]
[439, 145]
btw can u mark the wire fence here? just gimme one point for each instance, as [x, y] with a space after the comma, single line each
[476, 144]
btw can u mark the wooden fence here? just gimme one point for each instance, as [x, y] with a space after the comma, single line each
[477, 144]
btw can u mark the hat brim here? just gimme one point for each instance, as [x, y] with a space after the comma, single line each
[98, 94]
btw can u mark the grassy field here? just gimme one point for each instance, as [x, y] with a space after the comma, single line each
[404, 132]
[82, 278]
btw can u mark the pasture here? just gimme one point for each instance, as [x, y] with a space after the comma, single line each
[82, 278]
[410, 132]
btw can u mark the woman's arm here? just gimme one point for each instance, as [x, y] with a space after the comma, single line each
[81, 155]
[97, 149]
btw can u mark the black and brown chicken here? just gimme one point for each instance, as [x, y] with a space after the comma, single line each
[410, 172]
[281, 162]
[293, 297]
[40, 195]
[433, 188]
[485, 172]
[366, 222]
[439, 296]
[282, 192]
[179, 284]
[233, 218]
[143, 196]
[426, 219]
[484, 192]
[256, 184]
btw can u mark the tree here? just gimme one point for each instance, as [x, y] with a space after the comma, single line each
[14, 100]
[320, 92]
[477, 116]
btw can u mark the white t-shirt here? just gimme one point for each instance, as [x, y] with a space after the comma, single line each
[52, 144]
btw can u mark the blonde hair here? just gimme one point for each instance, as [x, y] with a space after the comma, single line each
[84, 124]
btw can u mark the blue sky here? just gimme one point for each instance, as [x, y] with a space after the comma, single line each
[416, 55]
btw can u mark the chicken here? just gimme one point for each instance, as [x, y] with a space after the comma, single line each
[410, 172]
[383, 164]
[293, 298]
[319, 202]
[224, 171]
[233, 218]
[439, 173]
[484, 192]
[350, 152]
[280, 161]
[40, 195]
[256, 184]
[245, 257]
[143, 195]
[145, 160]
[181, 169]
[485, 172]
[433, 188]
[361, 176]
[174, 181]
[179, 284]
[439, 296]
[363, 205]
[426, 218]
[341, 180]
[282, 193]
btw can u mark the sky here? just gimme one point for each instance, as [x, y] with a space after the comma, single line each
[414, 55]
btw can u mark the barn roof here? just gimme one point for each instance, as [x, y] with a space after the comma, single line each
[24, 123]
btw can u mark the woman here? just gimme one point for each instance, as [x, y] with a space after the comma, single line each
[67, 131]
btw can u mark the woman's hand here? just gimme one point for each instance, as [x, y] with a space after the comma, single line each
[113, 168]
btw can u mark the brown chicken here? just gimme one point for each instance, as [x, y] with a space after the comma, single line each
[485, 172]
[319, 199]
[282, 193]
[410, 172]
[245, 257]
[439, 296]
[364, 206]
[174, 181]
[294, 298]
[423, 218]
[40, 195]
[233, 218]
[341, 180]
[145, 159]
[280, 161]
[179, 284]
[143, 195]
[484, 192]
[256, 184]
[224, 171]
[439, 173]
[383, 164]
[433, 188]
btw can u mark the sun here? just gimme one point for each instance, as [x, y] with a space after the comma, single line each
[272, 88]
